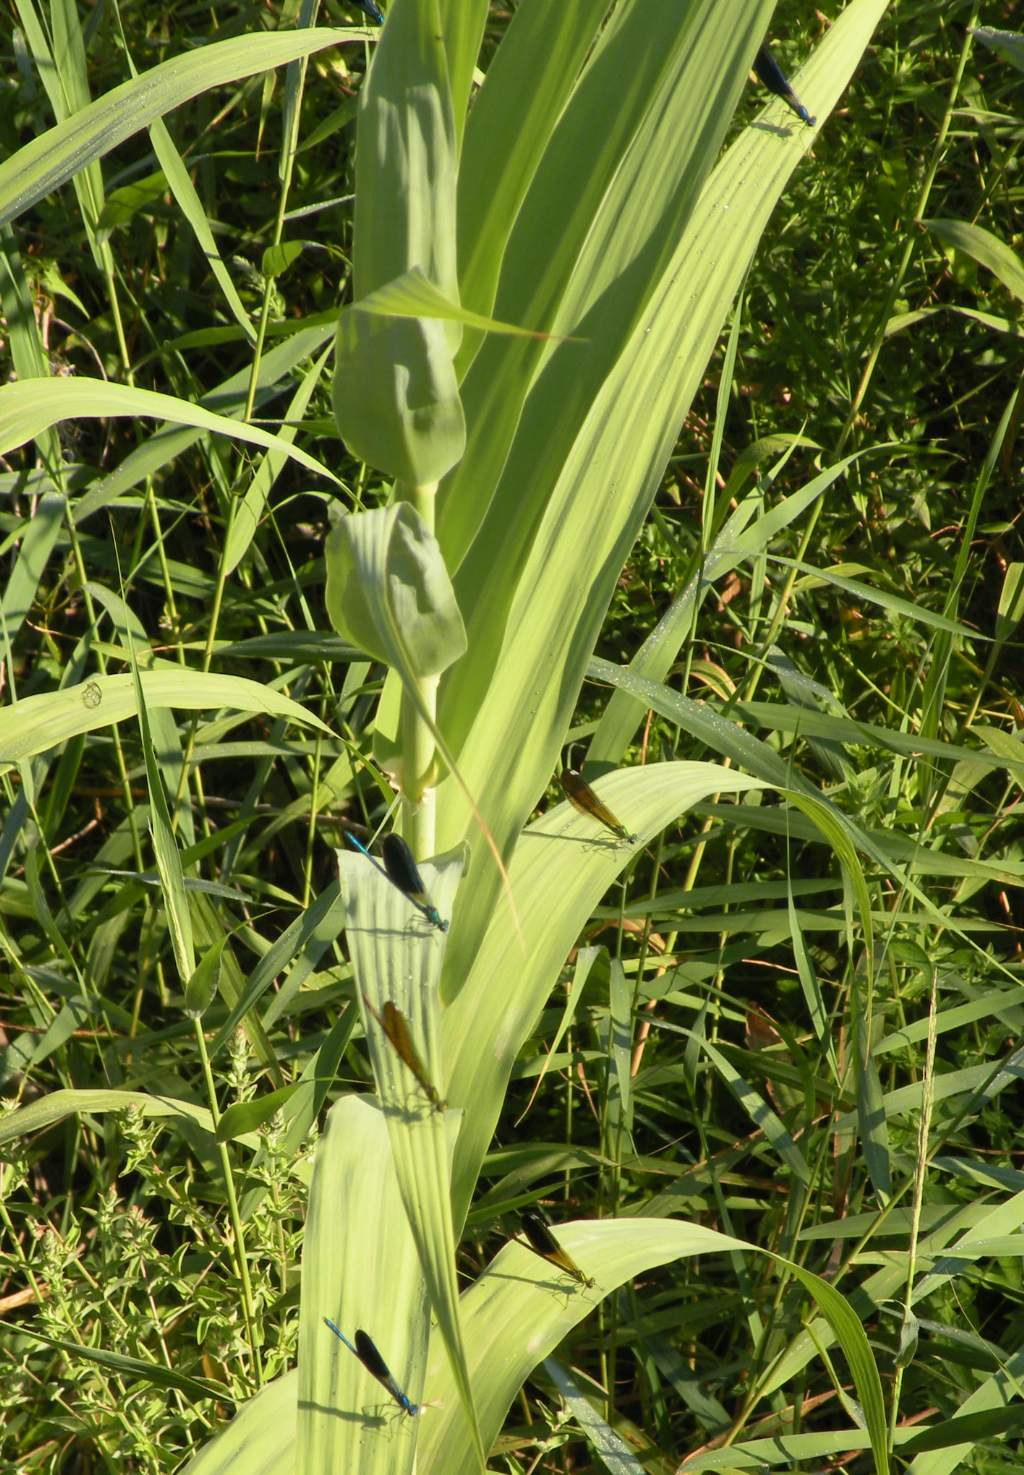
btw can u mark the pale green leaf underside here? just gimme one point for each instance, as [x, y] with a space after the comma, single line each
[395, 398]
[513, 1316]
[566, 855]
[261, 1438]
[538, 571]
[360, 1268]
[397, 957]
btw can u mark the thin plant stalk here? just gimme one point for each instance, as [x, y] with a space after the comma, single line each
[418, 747]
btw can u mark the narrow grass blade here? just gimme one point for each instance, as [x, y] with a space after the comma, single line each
[42, 722]
[179, 181]
[250, 508]
[134, 1368]
[748, 533]
[612, 1451]
[169, 441]
[59, 1105]
[983, 247]
[54, 157]
[40, 535]
[760, 1113]
[29, 408]
[27, 351]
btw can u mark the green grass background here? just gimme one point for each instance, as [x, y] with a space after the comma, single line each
[766, 1060]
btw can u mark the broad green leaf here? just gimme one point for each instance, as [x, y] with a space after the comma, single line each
[389, 593]
[518, 1311]
[396, 402]
[563, 854]
[515, 1314]
[278, 258]
[462, 23]
[540, 56]
[783, 1452]
[585, 257]
[123, 204]
[260, 1439]
[29, 407]
[574, 469]
[406, 158]
[38, 723]
[846, 1327]
[360, 1268]
[397, 958]
[202, 986]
